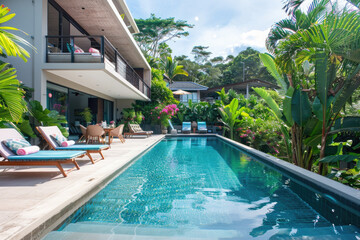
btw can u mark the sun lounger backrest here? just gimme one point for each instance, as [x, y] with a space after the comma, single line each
[46, 132]
[135, 128]
[186, 126]
[8, 133]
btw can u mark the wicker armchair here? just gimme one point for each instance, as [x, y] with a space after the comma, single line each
[83, 136]
[94, 134]
[117, 132]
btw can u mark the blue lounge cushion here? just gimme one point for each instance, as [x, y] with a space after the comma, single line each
[47, 156]
[84, 147]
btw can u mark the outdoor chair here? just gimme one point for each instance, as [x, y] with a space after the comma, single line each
[95, 134]
[46, 133]
[186, 127]
[117, 132]
[135, 129]
[41, 158]
[202, 127]
[83, 132]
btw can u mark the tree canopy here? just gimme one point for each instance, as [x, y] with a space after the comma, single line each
[155, 32]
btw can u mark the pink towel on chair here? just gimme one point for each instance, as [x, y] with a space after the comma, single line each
[67, 143]
[27, 150]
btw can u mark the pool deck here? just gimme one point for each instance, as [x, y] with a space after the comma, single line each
[33, 198]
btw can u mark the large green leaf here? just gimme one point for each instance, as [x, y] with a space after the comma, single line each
[352, 82]
[338, 158]
[11, 94]
[322, 82]
[300, 107]
[269, 100]
[287, 106]
[270, 65]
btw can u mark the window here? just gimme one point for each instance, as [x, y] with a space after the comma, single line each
[57, 98]
[61, 24]
[108, 111]
[193, 96]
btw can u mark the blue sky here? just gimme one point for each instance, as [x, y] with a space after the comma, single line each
[226, 26]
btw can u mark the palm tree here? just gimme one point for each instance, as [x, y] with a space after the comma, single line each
[332, 46]
[12, 104]
[172, 69]
[298, 21]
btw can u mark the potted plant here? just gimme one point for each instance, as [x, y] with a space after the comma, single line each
[87, 116]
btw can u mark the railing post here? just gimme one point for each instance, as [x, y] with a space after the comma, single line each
[102, 49]
[72, 49]
[116, 61]
[47, 49]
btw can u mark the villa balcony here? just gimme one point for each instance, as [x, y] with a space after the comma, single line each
[93, 62]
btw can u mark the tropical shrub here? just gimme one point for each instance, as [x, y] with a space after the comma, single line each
[229, 116]
[39, 116]
[162, 114]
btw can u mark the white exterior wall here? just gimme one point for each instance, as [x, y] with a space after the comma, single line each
[31, 17]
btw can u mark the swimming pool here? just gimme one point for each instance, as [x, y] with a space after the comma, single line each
[204, 188]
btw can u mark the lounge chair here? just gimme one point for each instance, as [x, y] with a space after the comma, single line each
[41, 158]
[186, 127]
[117, 132]
[46, 133]
[202, 127]
[135, 129]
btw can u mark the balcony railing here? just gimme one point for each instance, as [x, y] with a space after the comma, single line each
[76, 49]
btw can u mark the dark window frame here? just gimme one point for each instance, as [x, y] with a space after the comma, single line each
[63, 13]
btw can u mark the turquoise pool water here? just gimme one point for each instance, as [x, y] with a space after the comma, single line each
[203, 188]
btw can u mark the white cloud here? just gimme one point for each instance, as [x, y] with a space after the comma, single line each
[223, 41]
[225, 26]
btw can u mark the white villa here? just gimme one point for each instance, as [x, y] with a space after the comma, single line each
[85, 56]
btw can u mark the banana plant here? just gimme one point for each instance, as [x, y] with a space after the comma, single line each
[229, 116]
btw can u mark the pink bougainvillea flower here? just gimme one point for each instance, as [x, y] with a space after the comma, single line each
[253, 137]
[248, 131]
[158, 117]
[156, 107]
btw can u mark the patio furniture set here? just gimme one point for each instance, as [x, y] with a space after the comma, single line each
[16, 151]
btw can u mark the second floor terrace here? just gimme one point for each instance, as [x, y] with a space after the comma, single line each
[80, 53]
[90, 43]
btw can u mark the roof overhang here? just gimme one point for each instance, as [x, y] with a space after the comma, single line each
[103, 17]
[99, 78]
[128, 19]
[241, 86]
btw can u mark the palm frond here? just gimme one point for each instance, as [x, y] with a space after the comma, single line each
[11, 94]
